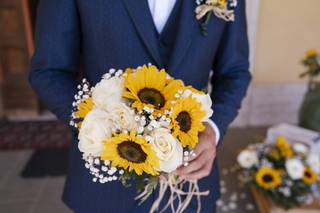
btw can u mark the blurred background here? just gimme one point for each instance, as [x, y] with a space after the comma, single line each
[34, 146]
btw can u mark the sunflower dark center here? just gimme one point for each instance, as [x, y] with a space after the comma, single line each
[151, 96]
[184, 121]
[307, 174]
[267, 178]
[132, 152]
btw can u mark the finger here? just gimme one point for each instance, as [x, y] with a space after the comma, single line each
[201, 173]
[194, 154]
[200, 147]
[193, 165]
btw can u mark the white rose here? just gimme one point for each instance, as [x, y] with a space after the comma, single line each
[300, 148]
[168, 149]
[313, 161]
[295, 168]
[94, 129]
[204, 99]
[107, 91]
[247, 158]
[122, 117]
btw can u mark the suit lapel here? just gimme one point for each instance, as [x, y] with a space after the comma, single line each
[142, 19]
[187, 26]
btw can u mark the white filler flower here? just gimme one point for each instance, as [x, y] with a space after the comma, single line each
[295, 168]
[247, 158]
[168, 149]
[313, 161]
[108, 91]
[94, 129]
[300, 148]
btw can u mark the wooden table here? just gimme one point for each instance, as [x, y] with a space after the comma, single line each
[265, 205]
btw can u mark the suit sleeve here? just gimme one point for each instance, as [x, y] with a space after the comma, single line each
[231, 71]
[55, 63]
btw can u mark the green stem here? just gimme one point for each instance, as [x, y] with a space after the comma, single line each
[204, 28]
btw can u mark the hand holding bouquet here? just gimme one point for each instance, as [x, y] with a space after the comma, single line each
[141, 124]
[288, 174]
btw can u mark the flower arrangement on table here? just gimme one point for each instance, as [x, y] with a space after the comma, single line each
[288, 174]
[141, 124]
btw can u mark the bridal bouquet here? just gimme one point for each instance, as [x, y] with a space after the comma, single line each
[288, 174]
[141, 124]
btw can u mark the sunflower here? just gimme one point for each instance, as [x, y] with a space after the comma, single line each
[311, 53]
[268, 178]
[309, 176]
[149, 87]
[221, 3]
[275, 154]
[284, 147]
[83, 109]
[131, 152]
[187, 121]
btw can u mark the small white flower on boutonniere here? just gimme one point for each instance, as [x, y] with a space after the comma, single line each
[223, 9]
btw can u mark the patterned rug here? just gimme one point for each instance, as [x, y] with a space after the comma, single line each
[33, 135]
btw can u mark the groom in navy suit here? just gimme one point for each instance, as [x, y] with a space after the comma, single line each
[103, 34]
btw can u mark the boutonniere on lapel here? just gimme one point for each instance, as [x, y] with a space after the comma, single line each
[223, 9]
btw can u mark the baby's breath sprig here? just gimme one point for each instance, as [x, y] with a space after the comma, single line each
[187, 155]
[83, 94]
[102, 171]
[113, 73]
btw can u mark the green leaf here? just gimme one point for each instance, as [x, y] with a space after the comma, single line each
[125, 178]
[140, 182]
[205, 90]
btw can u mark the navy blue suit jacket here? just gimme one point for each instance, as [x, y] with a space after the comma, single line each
[103, 34]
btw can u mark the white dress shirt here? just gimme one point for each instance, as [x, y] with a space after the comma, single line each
[160, 11]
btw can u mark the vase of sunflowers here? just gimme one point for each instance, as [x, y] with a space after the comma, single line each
[309, 115]
[286, 174]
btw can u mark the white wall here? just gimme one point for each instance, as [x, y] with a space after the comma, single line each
[280, 32]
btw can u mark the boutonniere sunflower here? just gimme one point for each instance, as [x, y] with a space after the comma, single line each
[223, 9]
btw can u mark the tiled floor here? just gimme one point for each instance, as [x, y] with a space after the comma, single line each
[42, 195]
[27, 195]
